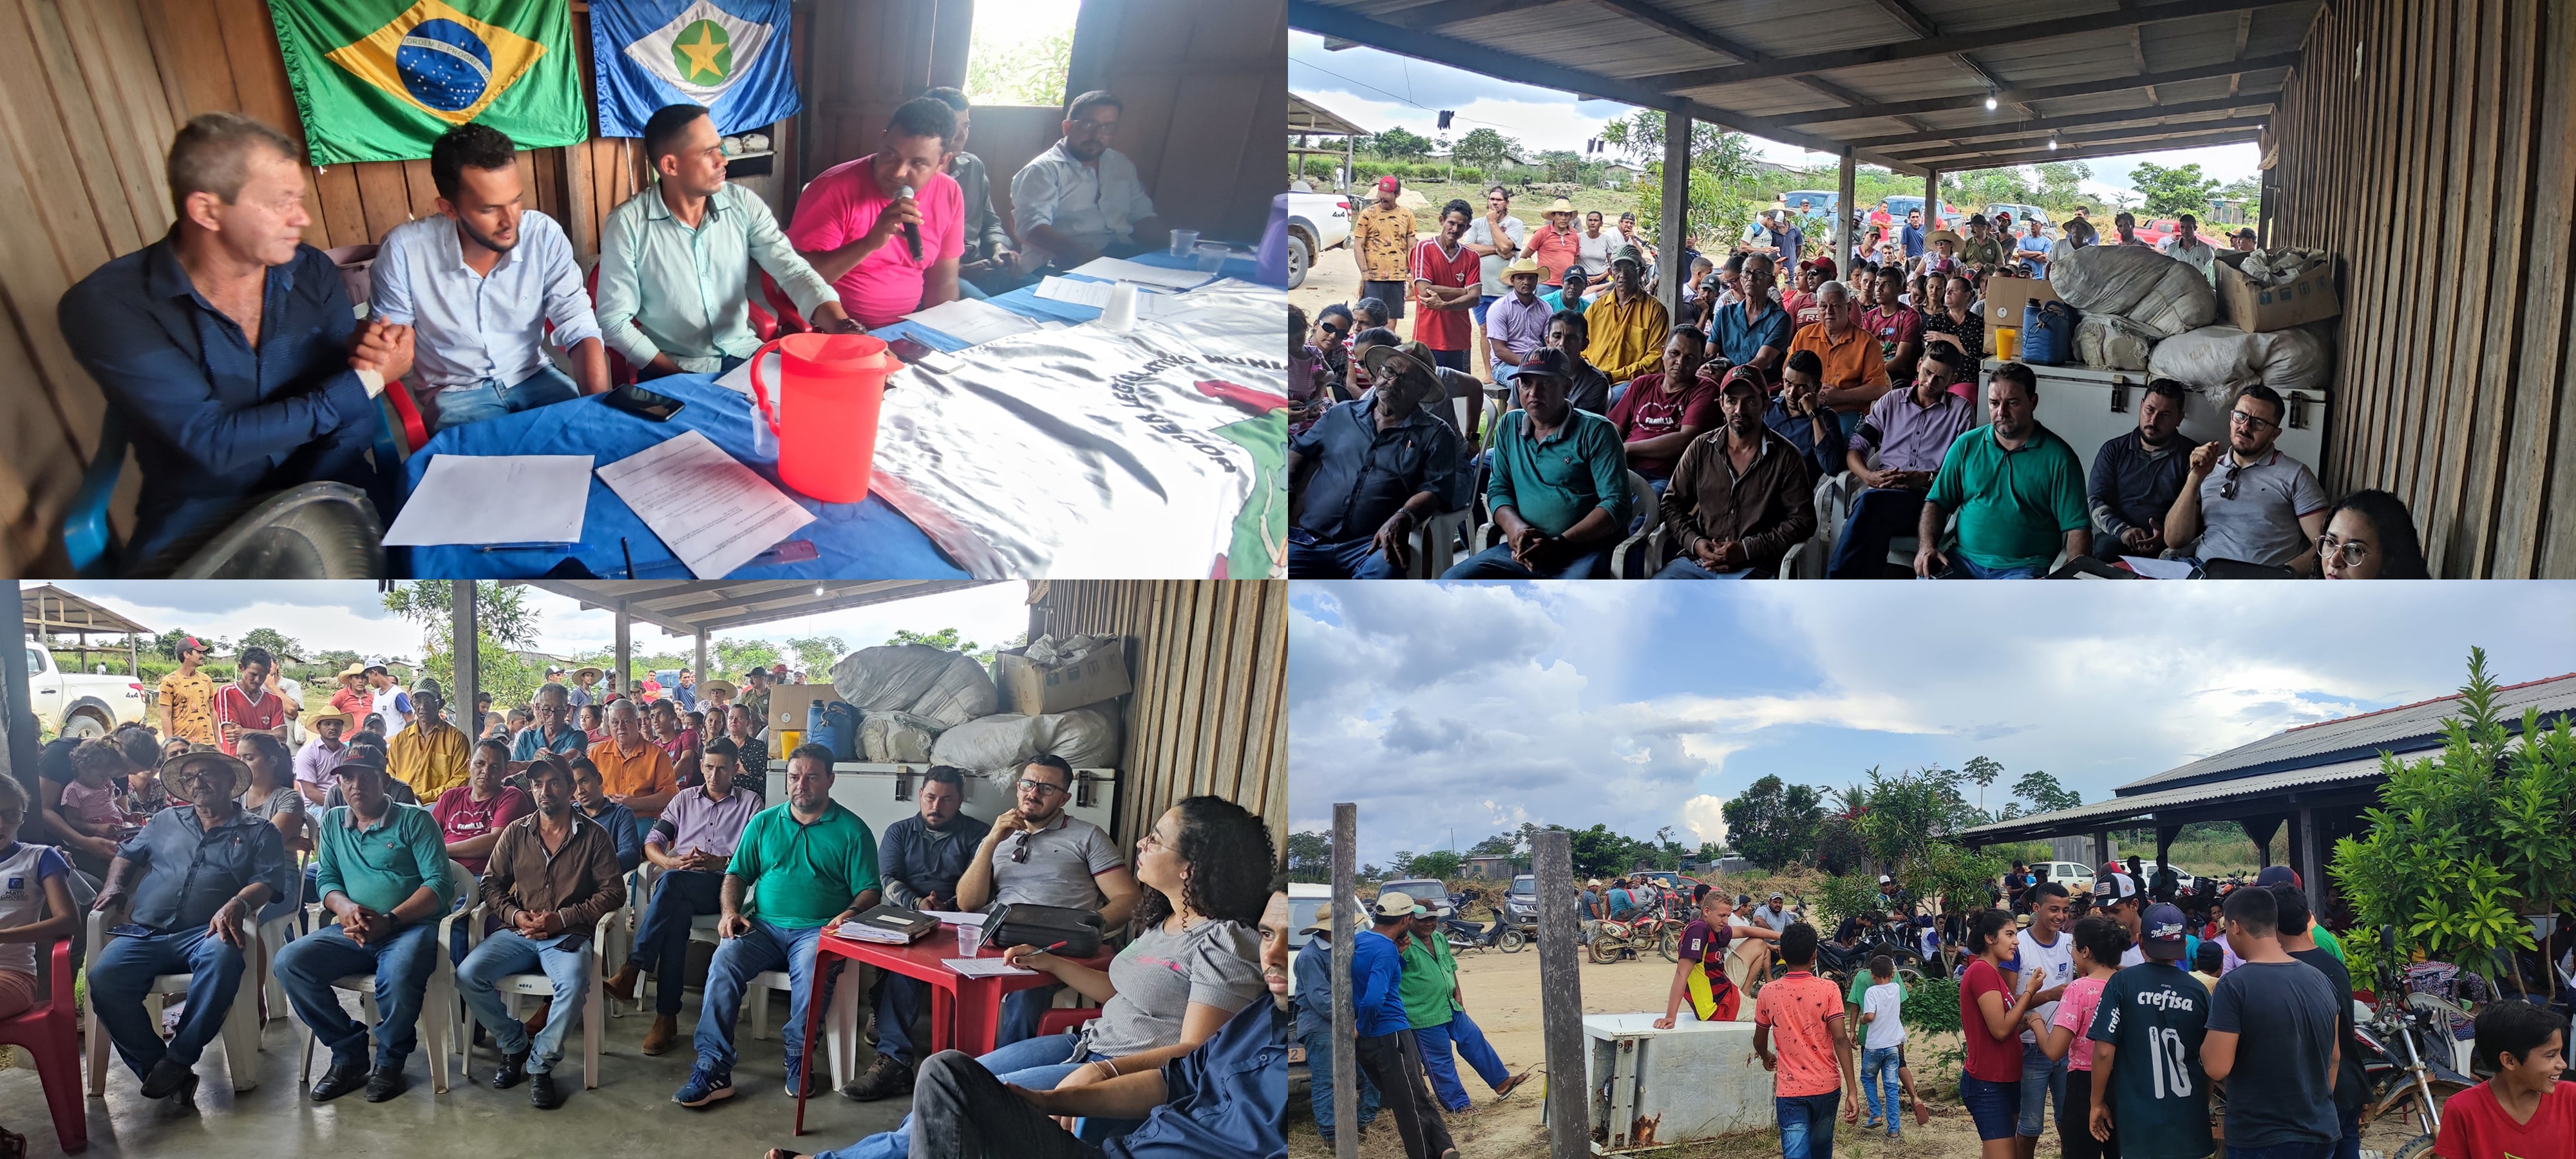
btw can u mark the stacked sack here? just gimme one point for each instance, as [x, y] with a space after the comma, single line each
[908, 694]
[998, 745]
[2220, 360]
[2164, 297]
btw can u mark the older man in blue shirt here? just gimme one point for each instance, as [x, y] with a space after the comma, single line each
[206, 871]
[229, 347]
[479, 283]
[1081, 199]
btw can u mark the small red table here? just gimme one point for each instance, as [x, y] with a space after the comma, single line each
[965, 1013]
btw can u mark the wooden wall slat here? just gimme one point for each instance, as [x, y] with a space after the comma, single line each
[2533, 543]
[2476, 418]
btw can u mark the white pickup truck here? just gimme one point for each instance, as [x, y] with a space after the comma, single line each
[73, 704]
[1316, 222]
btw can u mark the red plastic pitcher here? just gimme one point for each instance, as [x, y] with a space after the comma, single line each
[829, 389]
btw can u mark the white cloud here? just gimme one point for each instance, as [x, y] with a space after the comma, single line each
[1705, 816]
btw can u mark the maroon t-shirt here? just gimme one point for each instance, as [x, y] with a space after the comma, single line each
[1646, 412]
[462, 818]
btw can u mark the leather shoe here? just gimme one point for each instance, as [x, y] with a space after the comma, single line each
[168, 1078]
[385, 1083]
[542, 1093]
[512, 1072]
[340, 1080]
[621, 985]
[665, 1031]
[885, 1078]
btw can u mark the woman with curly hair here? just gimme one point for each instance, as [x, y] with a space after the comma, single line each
[1193, 960]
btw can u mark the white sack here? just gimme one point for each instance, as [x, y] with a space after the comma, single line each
[2219, 360]
[2111, 342]
[2180, 300]
[963, 692]
[897, 737]
[948, 687]
[998, 745]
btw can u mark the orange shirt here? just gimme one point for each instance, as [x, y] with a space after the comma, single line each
[1799, 1009]
[646, 771]
[1853, 361]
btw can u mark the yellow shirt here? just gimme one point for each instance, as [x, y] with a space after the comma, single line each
[430, 757]
[1627, 340]
[191, 703]
[1384, 238]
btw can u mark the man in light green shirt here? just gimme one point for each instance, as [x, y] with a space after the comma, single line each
[675, 259]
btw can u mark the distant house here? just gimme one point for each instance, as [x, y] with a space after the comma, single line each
[1487, 866]
[1620, 175]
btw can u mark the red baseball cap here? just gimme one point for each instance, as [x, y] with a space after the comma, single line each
[190, 644]
[1389, 184]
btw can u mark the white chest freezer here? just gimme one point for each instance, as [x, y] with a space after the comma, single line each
[2089, 407]
[884, 794]
[1654, 1088]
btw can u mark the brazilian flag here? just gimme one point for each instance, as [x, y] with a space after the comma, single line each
[379, 80]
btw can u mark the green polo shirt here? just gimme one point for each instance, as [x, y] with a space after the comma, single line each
[1430, 980]
[2015, 506]
[804, 875]
[1554, 482]
[382, 864]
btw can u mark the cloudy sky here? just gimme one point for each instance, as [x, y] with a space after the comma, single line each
[1476, 707]
[325, 615]
[1380, 90]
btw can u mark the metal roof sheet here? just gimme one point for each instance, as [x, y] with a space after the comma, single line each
[2407, 726]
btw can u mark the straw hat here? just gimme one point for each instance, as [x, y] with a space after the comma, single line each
[593, 670]
[1376, 358]
[355, 668]
[1561, 205]
[1944, 234]
[1321, 923]
[178, 763]
[719, 687]
[1525, 264]
[314, 719]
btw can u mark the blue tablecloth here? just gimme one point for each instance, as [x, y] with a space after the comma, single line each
[863, 540]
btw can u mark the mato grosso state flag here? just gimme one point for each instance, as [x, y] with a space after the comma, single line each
[729, 55]
[379, 80]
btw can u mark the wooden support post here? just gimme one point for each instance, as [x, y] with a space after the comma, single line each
[625, 651]
[2101, 847]
[468, 654]
[1844, 238]
[2165, 835]
[2311, 849]
[2259, 830]
[1672, 268]
[1346, 1022]
[699, 663]
[1931, 204]
[1560, 996]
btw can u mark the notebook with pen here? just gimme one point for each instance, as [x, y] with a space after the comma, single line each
[892, 925]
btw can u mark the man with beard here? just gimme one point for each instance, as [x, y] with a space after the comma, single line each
[1081, 199]
[2017, 487]
[1053, 859]
[2244, 499]
[1367, 473]
[805, 866]
[850, 221]
[692, 841]
[479, 281]
[918, 861]
[2137, 475]
[1559, 490]
[1740, 497]
[552, 876]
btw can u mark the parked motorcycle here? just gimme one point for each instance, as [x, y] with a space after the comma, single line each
[2406, 1053]
[1467, 935]
[1639, 934]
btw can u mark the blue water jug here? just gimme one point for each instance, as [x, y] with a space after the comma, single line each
[2047, 333]
[833, 724]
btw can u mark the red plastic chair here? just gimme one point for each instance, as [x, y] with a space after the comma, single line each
[1070, 1018]
[48, 1032]
[782, 307]
[618, 372]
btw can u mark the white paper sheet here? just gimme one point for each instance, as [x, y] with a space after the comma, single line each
[982, 967]
[711, 511]
[738, 379]
[972, 322]
[955, 918]
[1122, 270]
[2157, 568]
[488, 499]
[1096, 296]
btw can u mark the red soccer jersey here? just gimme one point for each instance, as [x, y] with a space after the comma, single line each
[2475, 1127]
[1445, 329]
[236, 706]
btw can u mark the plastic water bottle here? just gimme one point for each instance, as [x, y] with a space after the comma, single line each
[764, 442]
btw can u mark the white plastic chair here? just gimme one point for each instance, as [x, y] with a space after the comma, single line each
[441, 1024]
[840, 1024]
[513, 986]
[240, 1034]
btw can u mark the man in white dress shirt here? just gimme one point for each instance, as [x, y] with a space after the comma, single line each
[1081, 199]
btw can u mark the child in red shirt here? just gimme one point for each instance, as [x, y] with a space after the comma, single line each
[2524, 1112]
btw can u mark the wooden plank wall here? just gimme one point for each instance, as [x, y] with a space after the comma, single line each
[2450, 122]
[1209, 713]
[1198, 78]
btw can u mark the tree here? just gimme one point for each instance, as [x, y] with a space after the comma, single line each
[734, 657]
[1561, 165]
[1398, 143]
[2044, 793]
[2061, 183]
[1720, 196]
[947, 639]
[1773, 823]
[500, 613]
[2173, 191]
[817, 654]
[1310, 856]
[1485, 149]
[1438, 864]
[166, 645]
[279, 644]
[1498, 845]
[1030, 72]
[1983, 770]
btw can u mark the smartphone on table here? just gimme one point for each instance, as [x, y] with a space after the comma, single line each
[642, 403]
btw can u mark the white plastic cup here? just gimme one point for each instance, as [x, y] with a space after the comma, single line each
[1211, 258]
[1183, 241]
[1121, 312]
[967, 939]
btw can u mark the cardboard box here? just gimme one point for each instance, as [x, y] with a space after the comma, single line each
[787, 705]
[1032, 689]
[2005, 298]
[2257, 309]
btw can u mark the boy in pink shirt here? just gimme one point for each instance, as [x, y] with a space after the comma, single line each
[849, 222]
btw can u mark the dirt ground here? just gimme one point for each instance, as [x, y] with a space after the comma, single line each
[1502, 993]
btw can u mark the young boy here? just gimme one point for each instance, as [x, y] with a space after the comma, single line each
[2099, 943]
[1799, 1016]
[1882, 1020]
[1855, 1001]
[1701, 976]
[2147, 1030]
[2524, 1111]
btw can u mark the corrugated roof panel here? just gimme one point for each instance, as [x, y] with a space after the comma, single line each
[2412, 725]
[2121, 809]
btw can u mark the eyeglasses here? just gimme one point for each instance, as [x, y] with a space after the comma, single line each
[2350, 551]
[1096, 128]
[1044, 788]
[2249, 420]
[1151, 840]
[1329, 328]
[1020, 849]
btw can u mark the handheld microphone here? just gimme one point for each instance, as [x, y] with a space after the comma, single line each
[911, 230]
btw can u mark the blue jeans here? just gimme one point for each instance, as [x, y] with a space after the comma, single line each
[1962, 567]
[2043, 1083]
[1483, 304]
[566, 961]
[1463, 1033]
[898, 1000]
[2284, 1151]
[763, 948]
[490, 398]
[401, 965]
[125, 969]
[1879, 1084]
[1496, 562]
[1806, 1124]
[1684, 567]
[1991, 1105]
[1021, 1010]
[1319, 1070]
[1879, 515]
[1311, 558]
[662, 941]
[1036, 1063]
[1451, 359]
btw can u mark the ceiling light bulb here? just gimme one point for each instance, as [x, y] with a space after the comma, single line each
[818, 589]
[1990, 102]
[2052, 143]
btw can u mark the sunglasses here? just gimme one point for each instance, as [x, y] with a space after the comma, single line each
[1335, 331]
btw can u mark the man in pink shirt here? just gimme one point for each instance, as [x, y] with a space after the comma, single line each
[850, 221]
